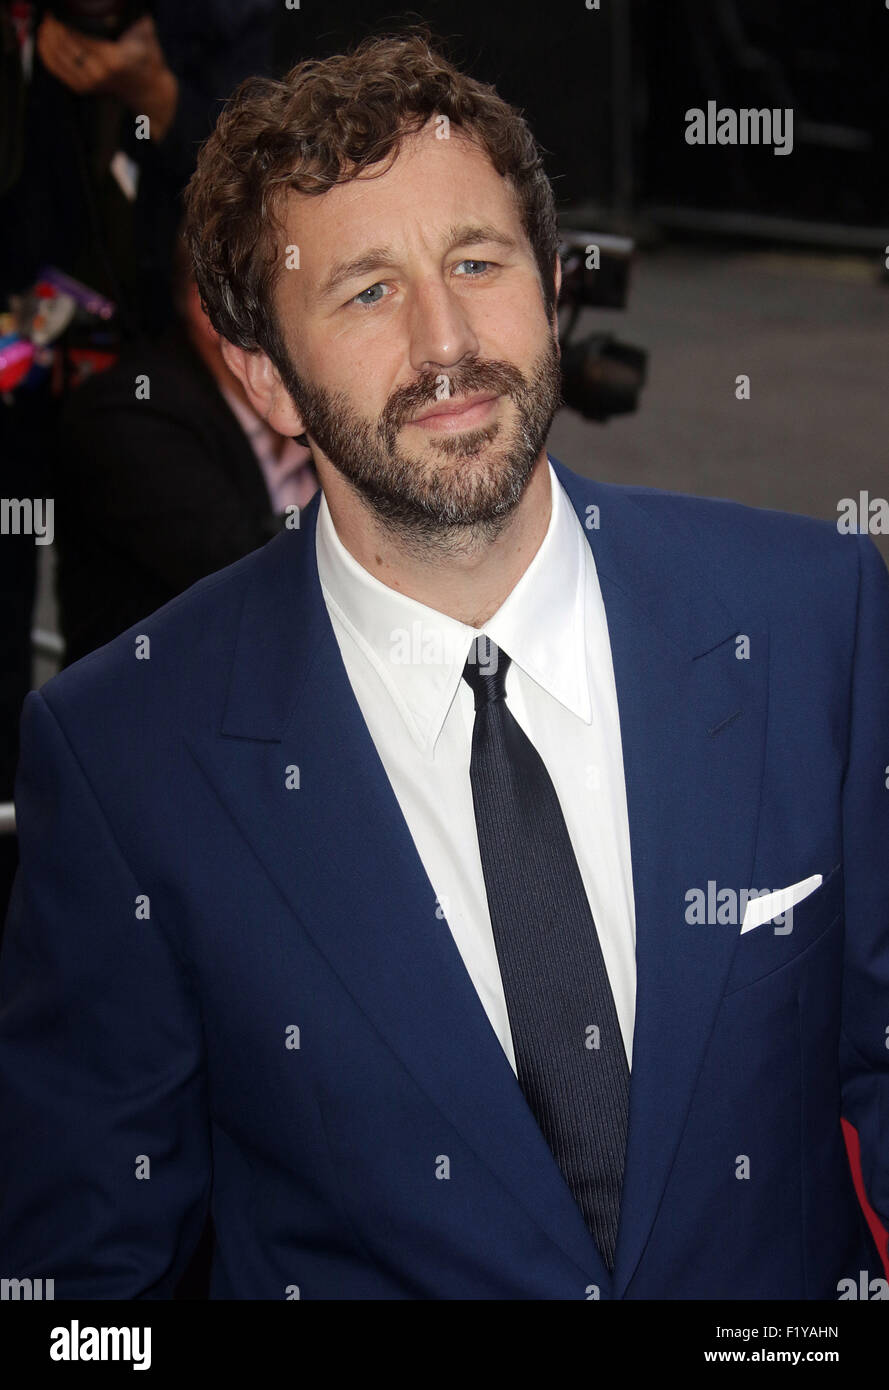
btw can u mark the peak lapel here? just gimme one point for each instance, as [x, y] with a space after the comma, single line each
[692, 719]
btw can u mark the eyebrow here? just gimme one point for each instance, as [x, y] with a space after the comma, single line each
[384, 258]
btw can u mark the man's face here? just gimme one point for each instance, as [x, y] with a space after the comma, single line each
[421, 361]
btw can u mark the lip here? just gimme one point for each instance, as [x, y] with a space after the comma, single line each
[457, 415]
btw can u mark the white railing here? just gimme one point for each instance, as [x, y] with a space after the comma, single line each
[44, 643]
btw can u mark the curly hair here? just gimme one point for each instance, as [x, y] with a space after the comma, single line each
[323, 124]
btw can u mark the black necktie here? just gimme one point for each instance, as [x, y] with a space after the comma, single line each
[570, 1057]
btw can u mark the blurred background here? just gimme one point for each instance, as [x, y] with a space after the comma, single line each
[725, 317]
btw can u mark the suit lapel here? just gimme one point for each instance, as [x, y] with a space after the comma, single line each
[340, 852]
[692, 718]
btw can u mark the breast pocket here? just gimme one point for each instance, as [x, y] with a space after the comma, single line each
[771, 946]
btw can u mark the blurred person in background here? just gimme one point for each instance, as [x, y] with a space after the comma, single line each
[162, 483]
[82, 192]
[90, 187]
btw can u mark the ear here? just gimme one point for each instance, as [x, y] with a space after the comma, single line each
[263, 386]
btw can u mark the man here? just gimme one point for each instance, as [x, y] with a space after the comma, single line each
[363, 905]
[159, 486]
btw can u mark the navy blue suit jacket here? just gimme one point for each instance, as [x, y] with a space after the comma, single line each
[221, 986]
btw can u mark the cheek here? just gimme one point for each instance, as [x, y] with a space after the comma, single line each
[516, 326]
[367, 366]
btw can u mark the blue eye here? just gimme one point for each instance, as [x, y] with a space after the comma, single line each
[376, 292]
[359, 298]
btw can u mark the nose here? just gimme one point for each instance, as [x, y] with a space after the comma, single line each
[441, 334]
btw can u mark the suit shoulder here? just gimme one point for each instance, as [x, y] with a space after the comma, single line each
[784, 566]
[772, 548]
[725, 515]
[170, 659]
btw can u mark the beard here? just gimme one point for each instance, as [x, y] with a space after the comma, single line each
[482, 473]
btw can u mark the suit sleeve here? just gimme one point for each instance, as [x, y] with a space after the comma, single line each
[104, 1130]
[864, 1048]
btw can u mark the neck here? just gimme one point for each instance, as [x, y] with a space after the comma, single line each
[469, 578]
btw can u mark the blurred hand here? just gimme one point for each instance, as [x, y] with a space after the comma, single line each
[132, 67]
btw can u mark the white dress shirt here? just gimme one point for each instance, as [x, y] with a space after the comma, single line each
[405, 662]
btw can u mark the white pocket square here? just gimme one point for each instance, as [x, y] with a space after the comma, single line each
[770, 905]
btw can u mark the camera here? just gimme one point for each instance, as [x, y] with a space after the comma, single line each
[601, 376]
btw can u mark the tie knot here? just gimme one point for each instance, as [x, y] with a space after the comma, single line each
[485, 671]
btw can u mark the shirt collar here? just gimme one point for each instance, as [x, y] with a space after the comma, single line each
[419, 653]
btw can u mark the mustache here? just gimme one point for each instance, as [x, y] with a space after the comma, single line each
[500, 377]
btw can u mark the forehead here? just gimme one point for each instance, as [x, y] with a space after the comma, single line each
[431, 185]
